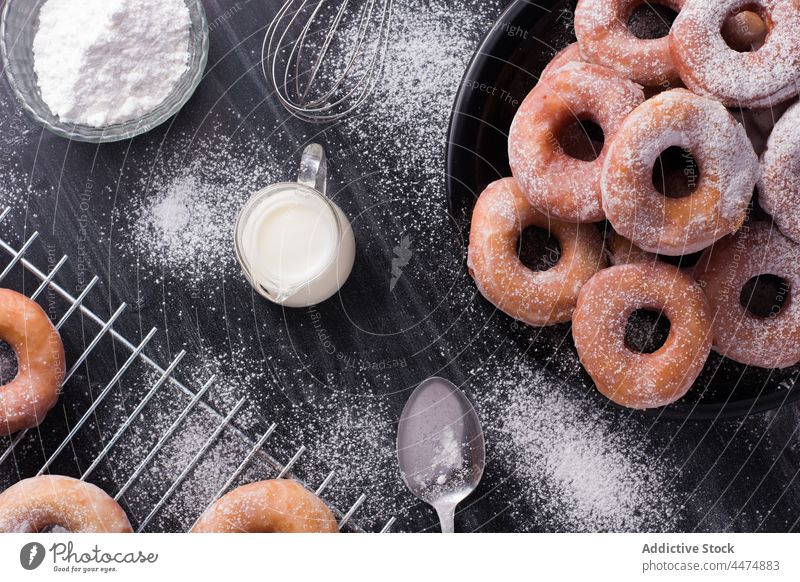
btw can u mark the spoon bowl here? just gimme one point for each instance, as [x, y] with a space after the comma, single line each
[440, 447]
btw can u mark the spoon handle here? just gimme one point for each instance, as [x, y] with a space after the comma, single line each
[447, 517]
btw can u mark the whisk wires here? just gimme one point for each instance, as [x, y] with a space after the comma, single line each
[325, 58]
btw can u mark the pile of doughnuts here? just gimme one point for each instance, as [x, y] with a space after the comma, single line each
[626, 234]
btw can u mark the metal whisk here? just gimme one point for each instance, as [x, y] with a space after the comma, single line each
[325, 58]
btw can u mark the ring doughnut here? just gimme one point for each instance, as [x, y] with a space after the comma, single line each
[602, 30]
[274, 506]
[537, 298]
[779, 187]
[756, 250]
[621, 251]
[25, 327]
[556, 183]
[569, 54]
[728, 174]
[37, 504]
[708, 66]
[628, 377]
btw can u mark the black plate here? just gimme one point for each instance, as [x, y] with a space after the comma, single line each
[502, 72]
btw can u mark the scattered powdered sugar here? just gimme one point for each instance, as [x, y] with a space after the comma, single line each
[576, 468]
[353, 437]
[184, 214]
[185, 224]
[430, 47]
[102, 62]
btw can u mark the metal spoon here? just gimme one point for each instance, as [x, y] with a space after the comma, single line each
[440, 447]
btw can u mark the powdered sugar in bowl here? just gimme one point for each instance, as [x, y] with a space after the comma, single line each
[19, 25]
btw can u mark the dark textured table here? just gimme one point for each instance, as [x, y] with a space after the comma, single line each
[335, 377]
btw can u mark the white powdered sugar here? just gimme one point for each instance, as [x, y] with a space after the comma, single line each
[576, 469]
[185, 209]
[102, 62]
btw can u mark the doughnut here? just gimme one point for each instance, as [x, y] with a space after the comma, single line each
[724, 270]
[537, 298]
[569, 54]
[759, 123]
[728, 172]
[621, 251]
[25, 327]
[602, 30]
[628, 377]
[51, 501]
[753, 79]
[779, 186]
[274, 506]
[556, 183]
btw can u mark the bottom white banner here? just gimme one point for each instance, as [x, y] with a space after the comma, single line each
[423, 557]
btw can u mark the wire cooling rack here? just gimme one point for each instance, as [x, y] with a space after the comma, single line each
[224, 424]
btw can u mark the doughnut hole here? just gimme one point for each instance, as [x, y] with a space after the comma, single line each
[746, 30]
[651, 20]
[582, 139]
[537, 249]
[54, 528]
[676, 173]
[765, 296]
[9, 366]
[646, 331]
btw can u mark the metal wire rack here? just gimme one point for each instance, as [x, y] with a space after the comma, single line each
[165, 378]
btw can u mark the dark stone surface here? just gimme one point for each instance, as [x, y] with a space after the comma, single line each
[739, 475]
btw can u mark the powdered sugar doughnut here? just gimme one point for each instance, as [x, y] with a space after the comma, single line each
[779, 187]
[602, 30]
[718, 204]
[725, 269]
[628, 377]
[554, 182]
[708, 66]
[621, 251]
[537, 298]
[569, 54]
[37, 504]
[25, 326]
[274, 506]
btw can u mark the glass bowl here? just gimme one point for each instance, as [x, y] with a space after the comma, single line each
[18, 25]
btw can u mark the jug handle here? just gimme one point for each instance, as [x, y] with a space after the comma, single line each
[314, 168]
